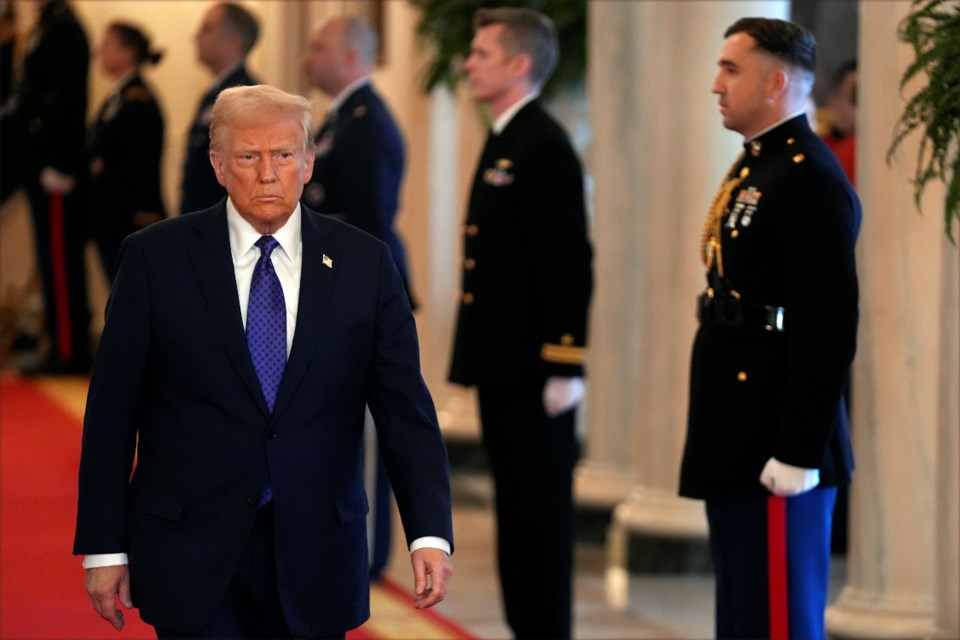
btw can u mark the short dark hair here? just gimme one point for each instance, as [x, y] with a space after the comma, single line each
[133, 37]
[786, 41]
[525, 31]
[241, 22]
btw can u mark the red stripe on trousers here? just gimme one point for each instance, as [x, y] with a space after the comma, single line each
[58, 260]
[777, 567]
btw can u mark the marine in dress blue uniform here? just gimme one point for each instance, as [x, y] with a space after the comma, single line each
[768, 437]
[49, 114]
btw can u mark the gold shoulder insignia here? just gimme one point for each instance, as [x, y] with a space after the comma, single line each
[137, 94]
[359, 111]
[562, 354]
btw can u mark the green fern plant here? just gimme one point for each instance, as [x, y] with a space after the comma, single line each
[447, 25]
[932, 29]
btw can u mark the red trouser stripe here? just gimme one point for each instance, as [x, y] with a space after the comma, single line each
[777, 567]
[58, 260]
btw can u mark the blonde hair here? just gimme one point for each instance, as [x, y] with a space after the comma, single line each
[246, 104]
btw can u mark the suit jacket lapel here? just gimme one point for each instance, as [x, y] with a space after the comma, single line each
[214, 266]
[316, 287]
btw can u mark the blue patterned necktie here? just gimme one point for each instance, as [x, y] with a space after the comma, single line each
[267, 322]
[267, 329]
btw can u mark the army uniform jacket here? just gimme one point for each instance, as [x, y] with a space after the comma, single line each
[359, 168]
[527, 270]
[126, 146]
[200, 188]
[787, 241]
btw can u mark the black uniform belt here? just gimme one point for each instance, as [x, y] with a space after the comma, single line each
[731, 312]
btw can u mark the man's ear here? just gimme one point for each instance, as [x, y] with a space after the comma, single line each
[217, 164]
[521, 64]
[778, 83]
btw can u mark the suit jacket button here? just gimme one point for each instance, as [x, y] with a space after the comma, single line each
[253, 500]
[271, 434]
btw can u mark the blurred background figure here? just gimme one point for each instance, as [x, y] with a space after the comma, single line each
[842, 137]
[360, 155]
[49, 111]
[126, 145]
[225, 37]
[356, 177]
[8, 47]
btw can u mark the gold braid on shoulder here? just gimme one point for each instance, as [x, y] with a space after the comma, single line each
[710, 238]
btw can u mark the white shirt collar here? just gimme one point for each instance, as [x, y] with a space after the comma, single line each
[243, 235]
[504, 118]
[347, 92]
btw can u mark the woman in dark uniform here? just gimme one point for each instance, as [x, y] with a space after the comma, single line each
[126, 145]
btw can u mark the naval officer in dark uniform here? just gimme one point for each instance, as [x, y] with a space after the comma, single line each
[768, 440]
[522, 323]
[226, 35]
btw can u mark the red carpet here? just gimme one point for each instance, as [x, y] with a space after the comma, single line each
[41, 583]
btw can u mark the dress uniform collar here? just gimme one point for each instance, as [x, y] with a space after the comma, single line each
[754, 145]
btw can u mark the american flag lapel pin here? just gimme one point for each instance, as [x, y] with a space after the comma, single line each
[327, 261]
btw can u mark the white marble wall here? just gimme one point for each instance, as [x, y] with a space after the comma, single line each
[903, 571]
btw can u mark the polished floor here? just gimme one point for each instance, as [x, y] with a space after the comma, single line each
[663, 603]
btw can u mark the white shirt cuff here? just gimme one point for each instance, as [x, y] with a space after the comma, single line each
[97, 560]
[430, 542]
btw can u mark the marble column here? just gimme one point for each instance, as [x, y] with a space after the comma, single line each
[659, 151]
[902, 560]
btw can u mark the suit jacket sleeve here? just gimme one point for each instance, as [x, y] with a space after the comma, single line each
[113, 400]
[409, 434]
[563, 255]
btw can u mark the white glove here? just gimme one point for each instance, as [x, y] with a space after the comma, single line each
[561, 395]
[53, 181]
[786, 480]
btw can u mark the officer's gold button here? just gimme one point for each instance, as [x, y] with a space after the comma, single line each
[566, 339]
[742, 376]
[468, 298]
[734, 233]
[469, 264]
[472, 229]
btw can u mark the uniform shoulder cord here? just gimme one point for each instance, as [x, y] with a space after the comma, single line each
[710, 246]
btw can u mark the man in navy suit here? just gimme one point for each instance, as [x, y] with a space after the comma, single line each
[225, 37]
[244, 513]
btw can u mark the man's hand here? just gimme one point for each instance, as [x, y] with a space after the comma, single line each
[786, 480]
[431, 575]
[54, 181]
[561, 395]
[103, 585]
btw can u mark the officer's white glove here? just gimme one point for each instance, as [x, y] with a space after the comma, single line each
[786, 480]
[561, 394]
[53, 181]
